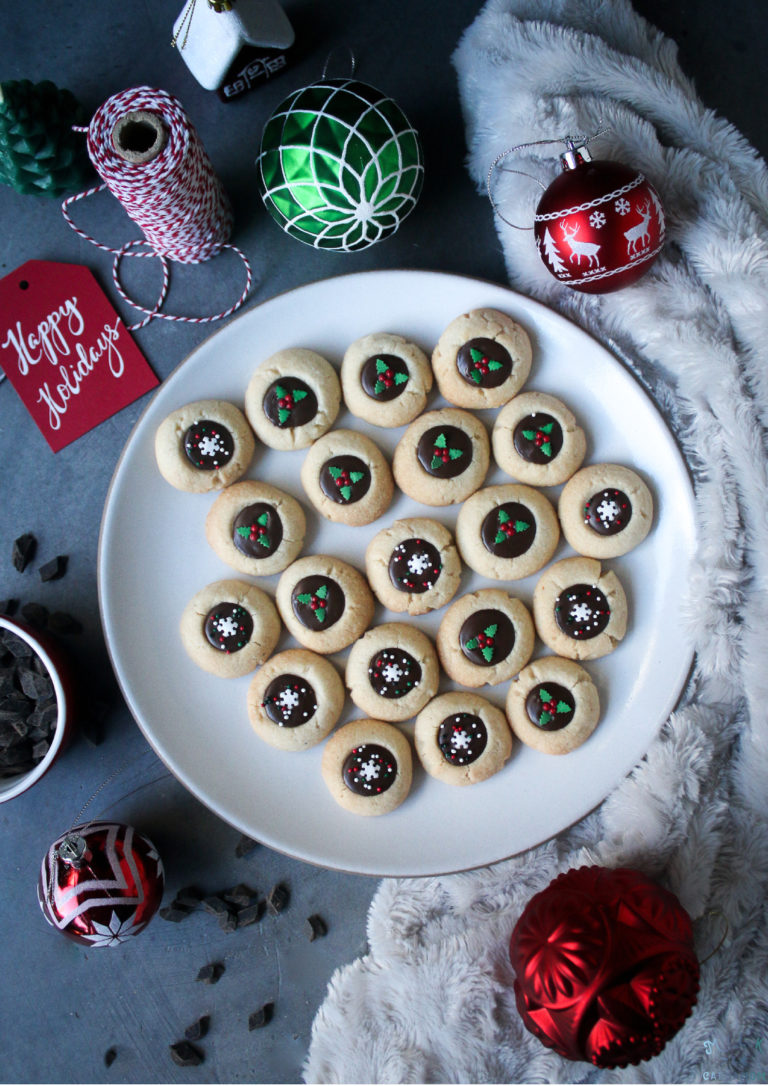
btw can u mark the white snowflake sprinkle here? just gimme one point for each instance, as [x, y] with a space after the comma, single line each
[419, 563]
[608, 510]
[369, 771]
[288, 700]
[392, 673]
[460, 740]
[209, 446]
[597, 219]
[581, 612]
[622, 206]
[226, 626]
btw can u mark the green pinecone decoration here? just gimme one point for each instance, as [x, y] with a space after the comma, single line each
[39, 152]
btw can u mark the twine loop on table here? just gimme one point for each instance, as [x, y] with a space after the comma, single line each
[150, 157]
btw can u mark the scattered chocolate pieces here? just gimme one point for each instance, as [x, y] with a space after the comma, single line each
[251, 914]
[9, 607]
[174, 913]
[23, 551]
[244, 846]
[57, 567]
[315, 927]
[190, 897]
[262, 1017]
[198, 1029]
[185, 1054]
[35, 614]
[110, 1056]
[211, 973]
[239, 895]
[277, 899]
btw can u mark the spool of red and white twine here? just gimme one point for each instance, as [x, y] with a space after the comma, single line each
[149, 156]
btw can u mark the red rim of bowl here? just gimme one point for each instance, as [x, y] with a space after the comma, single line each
[14, 786]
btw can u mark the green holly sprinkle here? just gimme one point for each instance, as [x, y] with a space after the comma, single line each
[446, 453]
[482, 365]
[531, 435]
[546, 699]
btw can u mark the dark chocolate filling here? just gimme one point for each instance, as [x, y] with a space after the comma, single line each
[369, 769]
[582, 611]
[538, 438]
[483, 362]
[415, 566]
[345, 479]
[487, 637]
[384, 377]
[289, 701]
[444, 451]
[208, 445]
[550, 706]
[393, 673]
[257, 530]
[608, 512]
[462, 738]
[318, 602]
[509, 530]
[289, 402]
[228, 627]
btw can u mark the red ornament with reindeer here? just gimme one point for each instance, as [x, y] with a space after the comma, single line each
[600, 225]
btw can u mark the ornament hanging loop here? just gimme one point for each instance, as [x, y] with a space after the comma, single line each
[576, 149]
[352, 63]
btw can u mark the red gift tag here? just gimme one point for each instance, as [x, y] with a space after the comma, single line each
[66, 351]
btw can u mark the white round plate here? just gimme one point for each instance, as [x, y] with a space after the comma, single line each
[153, 558]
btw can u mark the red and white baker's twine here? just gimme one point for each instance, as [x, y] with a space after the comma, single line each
[176, 199]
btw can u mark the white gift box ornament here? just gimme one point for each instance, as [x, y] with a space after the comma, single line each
[210, 35]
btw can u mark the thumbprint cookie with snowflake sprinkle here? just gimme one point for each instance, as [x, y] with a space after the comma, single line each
[553, 705]
[461, 738]
[482, 359]
[347, 478]
[292, 398]
[605, 510]
[229, 628]
[580, 609]
[392, 671]
[324, 602]
[537, 440]
[507, 532]
[413, 565]
[203, 446]
[295, 699]
[385, 379]
[442, 457]
[367, 767]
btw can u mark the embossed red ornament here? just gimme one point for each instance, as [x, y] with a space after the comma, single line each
[600, 225]
[100, 883]
[605, 966]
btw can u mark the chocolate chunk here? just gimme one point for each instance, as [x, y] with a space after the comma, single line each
[9, 607]
[174, 913]
[315, 927]
[228, 922]
[211, 973]
[110, 1056]
[214, 905]
[185, 1054]
[239, 895]
[34, 685]
[35, 614]
[57, 567]
[190, 897]
[277, 899]
[250, 914]
[40, 749]
[244, 846]
[198, 1029]
[61, 622]
[262, 1017]
[23, 551]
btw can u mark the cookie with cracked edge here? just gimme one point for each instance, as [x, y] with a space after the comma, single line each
[605, 510]
[485, 638]
[392, 671]
[203, 446]
[292, 398]
[537, 440]
[295, 699]
[482, 359]
[367, 766]
[413, 566]
[229, 628]
[256, 528]
[385, 379]
[580, 609]
[347, 478]
[462, 738]
[553, 705]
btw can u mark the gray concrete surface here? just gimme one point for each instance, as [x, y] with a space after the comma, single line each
[62, 1007]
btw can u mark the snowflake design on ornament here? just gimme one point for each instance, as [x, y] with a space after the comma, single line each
[209, 445]
[392, 673]
[226, 626]
[117, 931]
[581, 612]
[622, 206]
[369, 771]
[597, 219]
[419, 563]
[460, 740]
[608, 511]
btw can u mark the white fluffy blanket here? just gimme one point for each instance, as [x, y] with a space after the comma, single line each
[432, 1001]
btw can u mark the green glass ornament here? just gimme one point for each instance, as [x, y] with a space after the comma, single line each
[39, 152]
[340, 166]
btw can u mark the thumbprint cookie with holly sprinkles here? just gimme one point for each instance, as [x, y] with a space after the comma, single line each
[413, 566]
[442, 457]
[203, 446]
[347, 478]
[367, 767]
[605, 510]
[324, 602]
[229, 628]
[482, 359]
[385, 379]
[392, 671]
[255, 528]
[580, 609]
[537, 440]
[553, 705]
[507, 532]
[292, 398]
[295, 699]
[485, 638]
[461, 738]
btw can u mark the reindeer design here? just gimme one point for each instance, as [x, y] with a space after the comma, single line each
[579, 248]
[639, 233]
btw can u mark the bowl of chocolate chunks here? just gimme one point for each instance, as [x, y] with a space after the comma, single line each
[35, 706]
